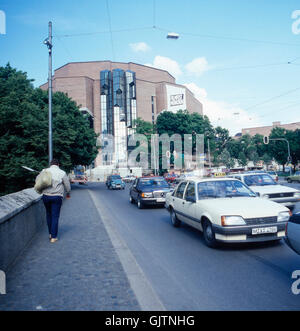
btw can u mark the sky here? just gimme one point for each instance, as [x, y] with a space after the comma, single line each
[240, 58]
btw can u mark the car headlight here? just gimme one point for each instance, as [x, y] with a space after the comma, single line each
[147, 195]
[232, 220]
[297, 195]
[283, 216]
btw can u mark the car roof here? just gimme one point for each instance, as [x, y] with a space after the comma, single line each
[250, 173]
[151, 177]
[209, 179]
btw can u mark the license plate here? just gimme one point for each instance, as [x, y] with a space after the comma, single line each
[257, 231]
[160, 200]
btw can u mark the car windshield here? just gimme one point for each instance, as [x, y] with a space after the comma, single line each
[259, 180]
[153, 182]
[223, 189]
[115, 177]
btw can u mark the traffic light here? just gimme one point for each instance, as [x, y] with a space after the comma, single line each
[266, 140]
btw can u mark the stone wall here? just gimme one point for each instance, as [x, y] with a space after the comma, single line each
[21, 215]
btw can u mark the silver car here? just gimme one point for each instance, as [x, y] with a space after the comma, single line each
[293, 230]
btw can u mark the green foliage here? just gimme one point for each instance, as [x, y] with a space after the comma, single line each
[242, 159]
[267, 159]
[279, 149]
[226, 159]
[24, 131]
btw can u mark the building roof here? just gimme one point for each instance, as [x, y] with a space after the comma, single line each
[137, 64]
[266, 130]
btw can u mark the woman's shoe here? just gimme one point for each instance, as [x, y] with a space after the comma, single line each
[53, 240]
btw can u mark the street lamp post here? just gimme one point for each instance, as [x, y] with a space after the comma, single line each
[48, 43]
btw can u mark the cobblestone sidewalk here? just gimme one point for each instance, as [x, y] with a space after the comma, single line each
[79, 272]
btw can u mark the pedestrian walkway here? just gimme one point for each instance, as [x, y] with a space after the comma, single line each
[79, 272]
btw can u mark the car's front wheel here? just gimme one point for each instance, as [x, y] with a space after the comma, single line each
[209, 234]
[175, 221]
[140, 204]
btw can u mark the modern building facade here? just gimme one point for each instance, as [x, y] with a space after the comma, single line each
[115, 94]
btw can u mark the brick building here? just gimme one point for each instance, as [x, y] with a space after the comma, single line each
[266, 130]
[114, 94]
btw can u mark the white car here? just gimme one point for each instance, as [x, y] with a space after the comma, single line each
[226, 210]
[274, 175]
[264, 186]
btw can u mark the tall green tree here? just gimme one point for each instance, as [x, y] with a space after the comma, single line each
[242, 159]
[24, 131]
[278, 149]
[226, 159]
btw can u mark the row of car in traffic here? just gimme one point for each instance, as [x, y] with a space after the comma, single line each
[248, 207]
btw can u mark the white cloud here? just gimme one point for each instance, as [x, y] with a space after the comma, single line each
[198, 66]
[140, 47]
[229, 116]
[165, 63]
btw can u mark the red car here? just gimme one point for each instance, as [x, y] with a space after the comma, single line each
[170, 178]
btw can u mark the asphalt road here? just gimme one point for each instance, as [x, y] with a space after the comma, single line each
[187, 275]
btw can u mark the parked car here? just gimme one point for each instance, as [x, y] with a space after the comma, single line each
[293, 230]
[170, 178]
[264, 186]
[149, 191]
[115, 182]
[274, 175]
[227, 211]
[294, 178]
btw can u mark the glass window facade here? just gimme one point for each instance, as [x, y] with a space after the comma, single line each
[130, 96]
[106, 102]
[118, 107]
[119, 90]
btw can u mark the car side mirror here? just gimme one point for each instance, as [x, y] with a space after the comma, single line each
[190, 199]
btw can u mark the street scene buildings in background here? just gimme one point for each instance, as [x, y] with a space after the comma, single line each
[116, 94]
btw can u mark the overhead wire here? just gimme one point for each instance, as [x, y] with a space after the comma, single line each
[103, 32]
[228, 37]
[154, 14]
[273, 98]
[110, 30]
